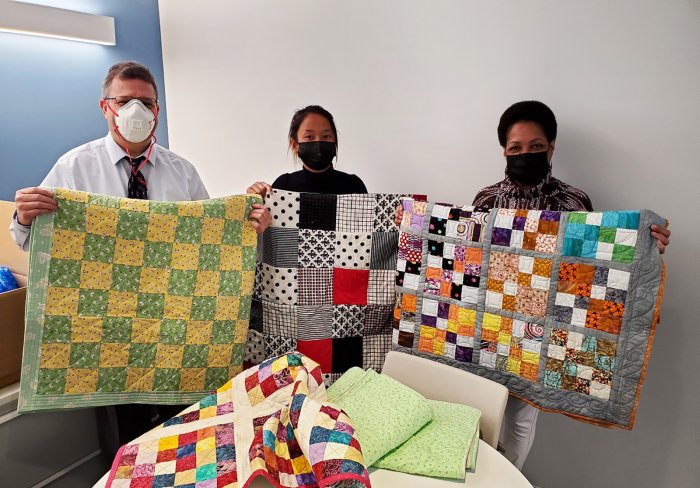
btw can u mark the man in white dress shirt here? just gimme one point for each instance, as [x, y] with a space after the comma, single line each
[125, 163]
[105, 166]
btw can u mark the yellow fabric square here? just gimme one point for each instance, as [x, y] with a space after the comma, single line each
[353, 454]
[67, 244]
[207, 443]
[235, 208]
[256, 395]
[114, 355]
[101, 220]
[301, 465]
[227, 308]
[542, 267]
[140, 379]
[145, 330]
[247, 280]
[62, 301]
[95, 275]
[81, 381]
[279, 364]
[491, 322]
[121, 304]
[185, 256]
[207, 283]
[504, 338]
[531, 357]
[135, 204]
[212, 230]
[185, 477]
[124, 473]
[467, 316]
[169, 356]
[207, 413]
[282, 450]
[235, 370]
[192, 379]
[161, 227]
[206, 456]
[72, 195]
[55, 356]
[168, 443]
[199, 331]
[220, 355]
[250, 237]
[513, 365]
[154, 280]
[240, 335]
[177, 307]
[128, 252]
[190, 209]
[231, 258]
[86, 329]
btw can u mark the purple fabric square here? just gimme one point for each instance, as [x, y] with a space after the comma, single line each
[417, 221]
[428, 320]
[206, 484]
[451, 337]
[443, 310]
[463, 354]
[225, 408]
[224, 434]
[519, 223]
[501, 237]
[550, 216]
[144, 471]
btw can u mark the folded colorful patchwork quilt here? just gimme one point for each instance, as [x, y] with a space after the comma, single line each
[136, 300]
[385, 413]
[325, 281]
[560, 307]
[271, 420]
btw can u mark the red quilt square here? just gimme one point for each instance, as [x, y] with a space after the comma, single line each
[142, 482]
[320, 351]
[189, 462]
[268, 386]
[187, 438]
[350, 287]
[167, 455]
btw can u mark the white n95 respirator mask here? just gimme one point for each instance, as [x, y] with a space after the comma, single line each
[134, 121]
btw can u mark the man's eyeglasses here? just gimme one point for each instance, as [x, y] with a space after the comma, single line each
[150, 103]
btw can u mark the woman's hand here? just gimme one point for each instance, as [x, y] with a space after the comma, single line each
[260, 217]
[260, 188]
[662, 235]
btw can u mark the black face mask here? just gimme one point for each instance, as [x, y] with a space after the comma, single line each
[317, 155]
[528, 169]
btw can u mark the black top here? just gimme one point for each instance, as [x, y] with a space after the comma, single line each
[330, 181]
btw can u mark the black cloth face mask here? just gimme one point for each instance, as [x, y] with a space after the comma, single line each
[317, 155]
[528, 169]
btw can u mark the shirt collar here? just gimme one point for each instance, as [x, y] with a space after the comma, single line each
[116, 153]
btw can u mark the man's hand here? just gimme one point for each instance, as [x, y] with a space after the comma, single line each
[260, 217]
[260, 188]
[662, 235]
[31, 202]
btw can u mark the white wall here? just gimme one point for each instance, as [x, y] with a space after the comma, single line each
[417, 89]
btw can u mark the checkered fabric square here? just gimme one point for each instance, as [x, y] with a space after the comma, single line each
[534, 299]
[136, 299]
[342, 285]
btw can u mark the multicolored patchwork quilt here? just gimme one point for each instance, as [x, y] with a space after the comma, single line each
[271, 420]
[136, 300]
[325, 282]
[560, 307]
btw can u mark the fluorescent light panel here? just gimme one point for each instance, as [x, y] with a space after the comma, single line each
[39, 20]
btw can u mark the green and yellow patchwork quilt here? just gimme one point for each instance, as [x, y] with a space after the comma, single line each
[136, 301]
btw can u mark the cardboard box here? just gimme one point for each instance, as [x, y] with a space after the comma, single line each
[11, 302]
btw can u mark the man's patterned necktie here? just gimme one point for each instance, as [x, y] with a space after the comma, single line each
[137, 182]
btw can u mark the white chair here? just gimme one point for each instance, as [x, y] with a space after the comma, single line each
[438, 381]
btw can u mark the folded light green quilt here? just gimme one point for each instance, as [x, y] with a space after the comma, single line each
[444, 448]
[385, 413]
